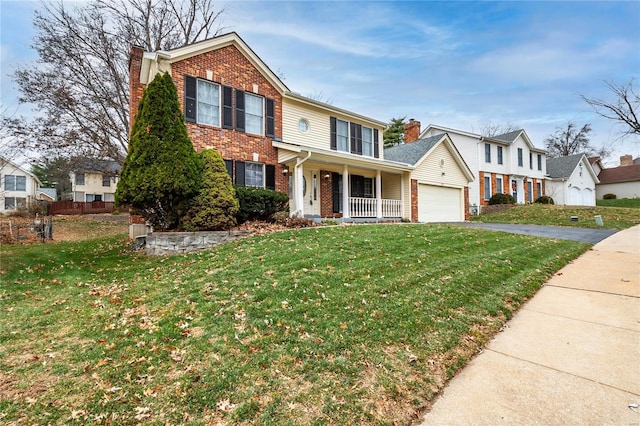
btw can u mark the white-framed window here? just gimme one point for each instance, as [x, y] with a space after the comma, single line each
[530, 191]
[539, 162]
[106, 180]
[12, 203]
[342, 135]
[487, 153]
[15, 183]
[368, 188]
[539, 187]
[254, 114]
[487, 187]
[499, 185]
[254, 175]
[93, 197]
[531, 160]
[367, 141]
[79, 178]
[520, 159]
[208, 103]
[499, 155]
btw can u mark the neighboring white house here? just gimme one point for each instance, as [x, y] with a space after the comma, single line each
[571, 181]
[18, 187]
[95, 180]
[622, 181]
[507, 163]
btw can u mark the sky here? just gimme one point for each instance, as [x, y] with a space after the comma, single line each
[458, 64]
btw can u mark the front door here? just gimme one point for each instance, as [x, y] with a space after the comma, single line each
[311, 190]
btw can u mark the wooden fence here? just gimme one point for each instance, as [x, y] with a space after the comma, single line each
[77, 207]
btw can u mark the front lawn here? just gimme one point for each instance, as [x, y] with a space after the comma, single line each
[620, 202]
[543, 214]
[340, 325]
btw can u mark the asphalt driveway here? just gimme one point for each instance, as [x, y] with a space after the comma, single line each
[585, 235]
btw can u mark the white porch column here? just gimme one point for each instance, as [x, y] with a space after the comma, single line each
[402, 195]
[346, 214]
[298, 193]
[378, 195]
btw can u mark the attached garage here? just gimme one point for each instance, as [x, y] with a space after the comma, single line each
[440, 204]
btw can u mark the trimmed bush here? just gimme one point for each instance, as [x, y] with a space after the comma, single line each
[501, 199]
[609, 196]
[216, 206]
[544, 199]
[259, 203]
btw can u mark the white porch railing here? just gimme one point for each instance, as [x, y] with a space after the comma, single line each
[367, 207]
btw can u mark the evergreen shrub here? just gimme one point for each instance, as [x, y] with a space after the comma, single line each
[501, 199]
[544, 199]
[259, 203]
[609, 196]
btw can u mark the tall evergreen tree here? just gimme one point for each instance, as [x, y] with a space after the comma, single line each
[216, 206]
[161, 172]
[394, 133]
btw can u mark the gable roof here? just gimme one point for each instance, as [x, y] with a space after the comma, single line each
[412, 153]
[620, 174]
[563, 167]
[91, 165]
[154, 62]
[509, 136]
[4, 161]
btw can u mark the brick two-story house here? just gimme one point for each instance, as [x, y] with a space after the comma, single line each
[329, 160]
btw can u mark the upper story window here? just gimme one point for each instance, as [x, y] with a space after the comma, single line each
[106, 180]
[15, 183]
[499, 155]
[487, 153]
[531, 160]
[208, 96]
[354, 138]
[79, 178]
[520, 159]
[210, 103]
[539, 162]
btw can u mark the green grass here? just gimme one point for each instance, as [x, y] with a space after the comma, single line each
[340, 325]
[633, 203]
[542, 214]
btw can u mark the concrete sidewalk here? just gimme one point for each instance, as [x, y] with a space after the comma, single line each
[570, 356]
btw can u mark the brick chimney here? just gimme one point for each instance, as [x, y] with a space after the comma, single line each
[135, 87]
[625, 160]
[411, 131]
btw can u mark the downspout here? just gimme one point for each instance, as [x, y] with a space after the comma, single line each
[298, 190]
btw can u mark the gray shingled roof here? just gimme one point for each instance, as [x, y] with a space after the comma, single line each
[508, 137]
[562, 167]
[411, 153]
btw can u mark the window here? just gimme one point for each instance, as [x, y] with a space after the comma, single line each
[93, 197]
[208, 109]
[530, 191]
[487, 187]
[539, 162]
[531, 160]
[11, 203]
[80, 179]
[487, 153]
[342, 135]
[499, 185]
[367, 141]
[254, 175]
[368, 188]
[539, 188]
[106, 180]
[254, 112]
[499, 155]
[520, 160]
[15, 183]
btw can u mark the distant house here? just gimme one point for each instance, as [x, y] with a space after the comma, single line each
[571, 180]
[622, 181]
[94, 180]
[47, 194]
[18, 187]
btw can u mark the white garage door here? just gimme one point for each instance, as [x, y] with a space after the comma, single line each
[588, 197]
[575, 196]
[439, 204]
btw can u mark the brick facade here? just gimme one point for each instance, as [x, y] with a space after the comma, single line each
[414, 200]
[326, 196]
[466, 203]
[226, 66]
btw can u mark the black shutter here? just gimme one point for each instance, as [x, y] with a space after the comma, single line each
[353, 148]
[240, 173]
[356, 139]
[190, 94]
[376, 148]
[240, 110]
[334, 140]
[270, 179]
[271, 121]
[227, 107]
[229, 165]
[337, 195]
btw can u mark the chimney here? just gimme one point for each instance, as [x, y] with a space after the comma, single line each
[411, 131]
[625, 160]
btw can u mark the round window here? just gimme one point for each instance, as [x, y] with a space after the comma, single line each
[303, 125]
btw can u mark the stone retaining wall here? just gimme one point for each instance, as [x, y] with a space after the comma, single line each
[167, 243]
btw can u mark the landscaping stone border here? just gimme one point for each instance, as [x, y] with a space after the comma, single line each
[168, 243]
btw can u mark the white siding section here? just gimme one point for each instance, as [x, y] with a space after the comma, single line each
[622, 190]
[93, 185]
[31, 185]
[391, 186]
[430, 170]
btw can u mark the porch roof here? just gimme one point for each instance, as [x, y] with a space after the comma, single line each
[344, 158]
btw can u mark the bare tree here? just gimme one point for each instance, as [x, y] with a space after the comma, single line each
[570, 140]
[491, 129]
[80, 87]
[624, 109]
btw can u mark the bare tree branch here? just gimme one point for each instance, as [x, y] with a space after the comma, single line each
[624, 109]
[570, 140]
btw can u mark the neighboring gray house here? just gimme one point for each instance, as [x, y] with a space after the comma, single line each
[571, 180]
